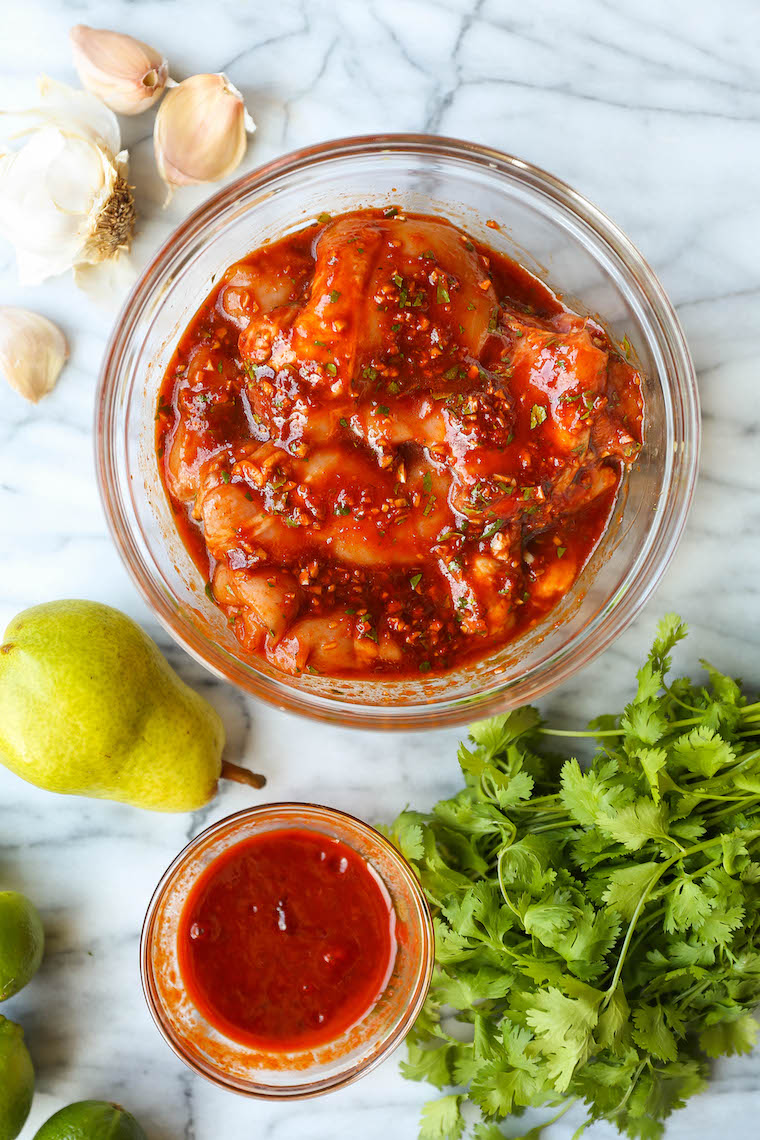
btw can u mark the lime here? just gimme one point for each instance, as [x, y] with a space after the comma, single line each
[16, 1080]
[91, 1120]
[22, 940]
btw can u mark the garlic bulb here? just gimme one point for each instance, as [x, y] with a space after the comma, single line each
[128, 75]
[64, 199]
[200, 131]
[32, 352]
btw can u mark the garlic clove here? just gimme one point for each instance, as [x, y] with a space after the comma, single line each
[201, 129]
[32, 352]
[128, 75]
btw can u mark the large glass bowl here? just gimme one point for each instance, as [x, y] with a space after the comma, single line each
[550, 229]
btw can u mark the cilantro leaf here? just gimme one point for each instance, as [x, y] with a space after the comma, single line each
[563, 1027]
[626, 885]
[497, 1090]
[407, 835]
[635, 824]
[441, 1119]
[644, 721]
[687, 906]
[670, 630]
[431, 1065]
[652, 1034]
[495, 734]
[729, 1037]
[590, 795]
[702, 751]
[613, 1019]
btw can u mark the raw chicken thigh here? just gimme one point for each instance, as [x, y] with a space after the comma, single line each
[395, 449]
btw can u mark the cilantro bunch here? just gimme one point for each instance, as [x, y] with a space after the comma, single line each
[596, 930]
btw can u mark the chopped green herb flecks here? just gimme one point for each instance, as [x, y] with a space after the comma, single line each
[494, 528]
[537, 415]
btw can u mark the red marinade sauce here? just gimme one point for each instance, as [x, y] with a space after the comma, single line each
[286, 940]
[390, 449]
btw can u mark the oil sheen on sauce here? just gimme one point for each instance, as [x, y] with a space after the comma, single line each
[390, 449]
[286, 940]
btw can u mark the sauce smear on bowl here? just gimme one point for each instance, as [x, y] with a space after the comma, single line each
[286, 940]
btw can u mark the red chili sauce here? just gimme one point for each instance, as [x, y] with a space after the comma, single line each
[286, 940]
[390, 449]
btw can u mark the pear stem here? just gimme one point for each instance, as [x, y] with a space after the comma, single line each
[242, 775]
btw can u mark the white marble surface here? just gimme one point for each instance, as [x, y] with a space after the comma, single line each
[652, 109]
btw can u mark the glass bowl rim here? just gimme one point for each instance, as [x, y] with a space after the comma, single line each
[423, 978]
[668, 520]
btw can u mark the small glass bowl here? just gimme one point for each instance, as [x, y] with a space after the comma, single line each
[309, 1072]
[543, 224]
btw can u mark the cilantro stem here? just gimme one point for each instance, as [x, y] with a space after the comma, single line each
[673, 697]
[559, 826]
[656, 876]
[565, 1108]
[708, 795]
[656, 914]
[502, 888]
[686, 723]
[635, 1080]
[572, 732]
[729, 811]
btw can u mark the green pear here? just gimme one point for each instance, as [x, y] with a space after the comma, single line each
[90, 707]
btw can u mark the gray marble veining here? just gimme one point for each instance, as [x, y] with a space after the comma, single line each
[650, 109]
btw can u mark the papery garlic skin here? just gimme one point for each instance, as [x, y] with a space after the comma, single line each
[201, 131]
[32, 352]
[128, 75]
[64, 198]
